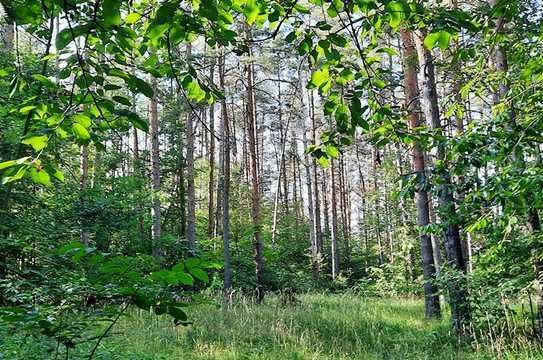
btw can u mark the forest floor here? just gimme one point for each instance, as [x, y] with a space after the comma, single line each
[317, 327]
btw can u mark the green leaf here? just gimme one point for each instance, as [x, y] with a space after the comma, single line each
[165, 12]
[58, 175]
[112, 12]
[320, 76]
[83, 120]
[305, 46]
[40, 176]
[44, 80]
[396, 13]
[68, 35]
[193, 88]
[441, 38]
[18, 175]
[332, 151]
[251, 10]
[138, 85]
[208, 9]
[191, 262]
[132, 18]
[80, 132]
[37, 142]
[7, 164]
[122, 100]
[291, 37]
[323, 161]
[337, 40]
[200, 274]
[357, 113]
[342, 117]
[185, 278]
[27, 109]
[180, 267]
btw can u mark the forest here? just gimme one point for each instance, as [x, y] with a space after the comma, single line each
[271, 179]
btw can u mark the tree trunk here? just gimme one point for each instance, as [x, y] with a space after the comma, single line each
[533, 220]
[84, 166]
[325, 210]
[431, 298]
[137, 168]
[333, 204]
[191, 201]
[377, 206]
[363, 210]
[255, 186]
[344, 213]
[225, 184]
[211, 180]
[316, 201]
[446, 204]
[156, 227]
[7, 32]
[282, 174]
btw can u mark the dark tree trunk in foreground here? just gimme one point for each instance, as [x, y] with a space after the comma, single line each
[431, 298]
[446, 204]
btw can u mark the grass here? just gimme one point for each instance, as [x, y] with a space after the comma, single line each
[320, 326]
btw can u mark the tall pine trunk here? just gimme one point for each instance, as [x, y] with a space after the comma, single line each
[156, 228]
[211, 159]
[446, 204]
[224, 181]
[191, 199]
[333, 204]
[431, 298]
[254, 167]
[316, 198]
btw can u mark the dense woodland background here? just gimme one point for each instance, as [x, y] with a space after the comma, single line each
[163, 154]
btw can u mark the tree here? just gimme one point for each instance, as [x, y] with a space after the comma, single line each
[156, 228]
[191, 201]
[255, 186]
[224, 181]
[447, 205]
[431, 299]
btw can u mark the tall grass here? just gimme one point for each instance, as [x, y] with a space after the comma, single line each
[317, 327]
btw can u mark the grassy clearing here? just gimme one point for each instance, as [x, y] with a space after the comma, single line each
[319, 327]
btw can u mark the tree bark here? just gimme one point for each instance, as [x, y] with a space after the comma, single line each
[333, 204]
[191, 201]
[224, 180]
[84, 166]
[282, 174]
[254, 166]
[344, 213]
[316, 201]
[156, 228]
[7, 32]
[446, 204]
[431, 298]
[532, 214]
[211, 180]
